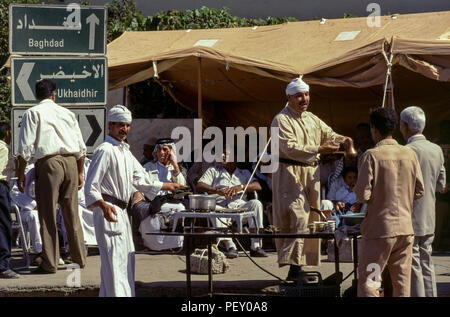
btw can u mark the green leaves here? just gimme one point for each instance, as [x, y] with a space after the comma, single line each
[5, 89]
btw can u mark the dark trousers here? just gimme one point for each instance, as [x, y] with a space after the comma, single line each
[139, 212]
[5, 227]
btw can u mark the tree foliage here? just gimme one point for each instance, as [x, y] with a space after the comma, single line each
[5, 89]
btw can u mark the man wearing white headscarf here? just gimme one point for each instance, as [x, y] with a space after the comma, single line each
[164, 168]
[112, 176]
[296, 183]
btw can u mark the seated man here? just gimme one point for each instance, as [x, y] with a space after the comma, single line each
[164, 168]
[28, 209]
[228, 182]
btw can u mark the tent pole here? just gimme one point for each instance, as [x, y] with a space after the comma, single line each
[199, 88]
[199, 106]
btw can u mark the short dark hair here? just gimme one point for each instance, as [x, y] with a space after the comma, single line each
[44, 89]
[4, 127]
[349, 169]
[384, 120]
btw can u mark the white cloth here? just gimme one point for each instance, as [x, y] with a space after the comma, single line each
[47, 129]
[194, 173]
[252, 205]
[345, 196]
[164, 174]
[218, 177]
[116, 255]
[153, 224]
[114, 171]
[86, 215]
[30, 222]
[27, 206]
[119, 113]
[7, 165]
[295, 86]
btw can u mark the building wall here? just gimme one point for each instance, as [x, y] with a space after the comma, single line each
[300, 9]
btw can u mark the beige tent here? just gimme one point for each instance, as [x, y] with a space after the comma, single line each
[243, 71]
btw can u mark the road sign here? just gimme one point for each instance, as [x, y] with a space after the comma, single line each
[92, 123]
[79, 80]
[54, 30]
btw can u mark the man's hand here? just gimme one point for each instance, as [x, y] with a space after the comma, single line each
[21, 181]
[328, 147]
[340, 206]
[137, 197]
[172, 186]
[356, 207]
[80, 181]
[108, 211]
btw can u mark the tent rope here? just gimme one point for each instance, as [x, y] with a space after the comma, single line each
[256, 166]
[388, 76]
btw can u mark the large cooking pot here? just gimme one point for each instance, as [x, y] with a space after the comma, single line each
[202, 203]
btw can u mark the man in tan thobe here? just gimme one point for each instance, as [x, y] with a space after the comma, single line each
[296, 183]
[389, 180]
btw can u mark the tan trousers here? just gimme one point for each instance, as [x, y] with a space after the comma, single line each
[375, 254]
[57, 183]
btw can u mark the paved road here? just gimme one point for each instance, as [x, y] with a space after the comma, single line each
[164, 275]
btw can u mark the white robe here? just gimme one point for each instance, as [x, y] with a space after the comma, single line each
[86, 215]
[158, 171]
[114, 171]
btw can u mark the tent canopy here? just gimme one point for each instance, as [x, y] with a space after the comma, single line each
[244, 71]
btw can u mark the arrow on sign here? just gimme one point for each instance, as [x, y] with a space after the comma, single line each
[22, 81]
[92, 20]
[96, 130]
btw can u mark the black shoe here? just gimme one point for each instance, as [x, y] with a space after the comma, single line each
[9, 274]
[40, 270]
[258, 253]
[67, 259]
[231, 253]
[37, 260]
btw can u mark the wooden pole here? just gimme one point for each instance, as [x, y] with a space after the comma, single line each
[199, 87]
[199, 107]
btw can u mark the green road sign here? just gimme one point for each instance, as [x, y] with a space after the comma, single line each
[92, 122]
[79, 80]
[57, 30]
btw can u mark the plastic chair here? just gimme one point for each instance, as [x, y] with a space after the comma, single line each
[17, 224]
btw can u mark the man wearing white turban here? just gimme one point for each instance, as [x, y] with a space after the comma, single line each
[112, 177]
[296, 183]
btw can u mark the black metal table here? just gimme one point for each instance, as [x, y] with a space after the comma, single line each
[189, 236]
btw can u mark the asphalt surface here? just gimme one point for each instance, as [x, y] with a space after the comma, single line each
[164, 275]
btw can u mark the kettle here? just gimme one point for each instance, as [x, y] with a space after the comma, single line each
[350, 151]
